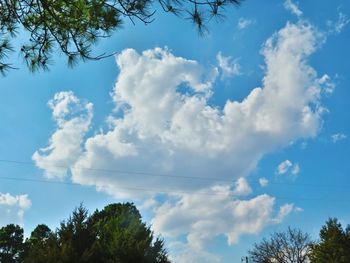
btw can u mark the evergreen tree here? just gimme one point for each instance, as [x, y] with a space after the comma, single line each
[334, 245]
[11, 244]
[116, 234]
[74, 26]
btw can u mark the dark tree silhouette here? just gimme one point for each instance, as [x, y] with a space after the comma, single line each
[74, 26]
[116, 234]
[334, 245]
[292, 246]
[11, 244]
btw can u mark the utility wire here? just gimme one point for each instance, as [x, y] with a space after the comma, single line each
[119, 172]
[174, 192]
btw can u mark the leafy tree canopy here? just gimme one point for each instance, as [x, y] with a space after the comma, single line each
[116, 234]
[74, 26]
[334, 245]
[11, 244]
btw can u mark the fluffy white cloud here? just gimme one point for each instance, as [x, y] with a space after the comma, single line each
[220, 214]
[12, 208]
[166, 127]
[227, 65]
[73, 118]
[263, 182]
[293, 8]
[244, 23]
[242, 187]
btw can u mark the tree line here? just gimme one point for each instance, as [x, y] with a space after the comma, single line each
[116, 234]
[295, 246]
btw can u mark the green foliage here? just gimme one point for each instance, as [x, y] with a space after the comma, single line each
[41, 247]
[334, 245]
[116, 234]
[11, 244]
[133, 242]
[291, 246]
[74, 26]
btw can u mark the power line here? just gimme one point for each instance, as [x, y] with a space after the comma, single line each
[159, 191]
[120, 171]
[150, 174]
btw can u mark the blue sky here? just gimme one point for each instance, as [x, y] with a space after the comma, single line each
[219, 140]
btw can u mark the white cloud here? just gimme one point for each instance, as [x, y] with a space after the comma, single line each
[295, 170]
[284, 211]
[263, 182]
[242, 187]
[298, 209]
[228, 66]
[181, 253]
[164, 131]
[244, 23]
[293, 8]
[220, 214]
[288, 167]
[338, 137]
[284, 167]
[167, 127]
[328, 85]
[343, 20]
[12, 208]
[336, 27]
[73, 119]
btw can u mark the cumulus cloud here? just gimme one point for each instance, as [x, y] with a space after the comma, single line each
[228, 66]
[167, 135]
[12, 208]
[293, 8]
[166, 131]
[242, 187]
[73, 118]
[338, 137]
[244, 23]
[220, 214]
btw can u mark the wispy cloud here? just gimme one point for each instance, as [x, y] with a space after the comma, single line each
[337, 27]
[293, 8]
[284, 167]
[343, 20]
[338, 137]
[288, 167]
[244, 23]
[263, 182]
[228, 66]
